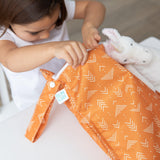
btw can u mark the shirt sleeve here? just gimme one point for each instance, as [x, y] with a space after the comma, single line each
[70, 6]
[6, 36]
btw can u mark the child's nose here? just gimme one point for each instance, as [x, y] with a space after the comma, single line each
[45, 35]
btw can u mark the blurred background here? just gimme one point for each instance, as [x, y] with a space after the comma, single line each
[139, 19]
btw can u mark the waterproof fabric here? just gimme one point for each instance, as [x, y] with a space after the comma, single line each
[117, 110]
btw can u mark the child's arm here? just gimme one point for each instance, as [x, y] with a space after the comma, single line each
[93, 14]
[29, 57]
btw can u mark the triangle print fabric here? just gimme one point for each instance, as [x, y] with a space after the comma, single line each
[118, 111]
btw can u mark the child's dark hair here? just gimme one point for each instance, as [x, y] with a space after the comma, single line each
[28, 11]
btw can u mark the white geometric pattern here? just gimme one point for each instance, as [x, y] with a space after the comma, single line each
[40, 117]
[41, 102]
[93, 60]
[91, 93]
[119, 108]
[157, 121]
[85, 119]
[102, 68]
[130, 143]
[103, 124]
[127, 157]
[105, 91]
[102, 104]
[109, 75]
[140, 156]
[131, 124]
[118, 92]
[137, 109]
[157, 148]
[116, 125]
[149, 108]
[86, 105]
[145, 143]
[90, 77]
[113, 137]
[149, 129]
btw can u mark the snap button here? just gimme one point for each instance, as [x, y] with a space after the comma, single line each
[52, 84]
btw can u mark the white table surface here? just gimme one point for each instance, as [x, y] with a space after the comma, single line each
[63, 138]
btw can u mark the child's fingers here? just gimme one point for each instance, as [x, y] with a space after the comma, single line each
[68, 59]
[79, 52]
[88, 44]
[85, 45]
[97, 37]
[73, 55]
[94, 43]
[85, 53]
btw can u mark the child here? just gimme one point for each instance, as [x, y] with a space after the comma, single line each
[34, 35]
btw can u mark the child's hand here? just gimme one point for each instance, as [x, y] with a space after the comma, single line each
[90, 36]
[74, 53]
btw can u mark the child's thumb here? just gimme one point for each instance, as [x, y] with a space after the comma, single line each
[97, 37]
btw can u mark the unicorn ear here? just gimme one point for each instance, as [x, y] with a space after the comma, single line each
[114, 37]
[112, 34]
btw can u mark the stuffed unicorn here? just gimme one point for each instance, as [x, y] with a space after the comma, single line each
[143, 62]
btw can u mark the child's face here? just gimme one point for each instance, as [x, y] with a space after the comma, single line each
[37, 30]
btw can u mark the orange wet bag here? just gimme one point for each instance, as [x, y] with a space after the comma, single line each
[117, 110]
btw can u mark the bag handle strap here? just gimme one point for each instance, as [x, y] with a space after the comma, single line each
[43, 107]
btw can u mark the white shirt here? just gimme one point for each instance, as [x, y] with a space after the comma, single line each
[26, 87]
